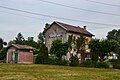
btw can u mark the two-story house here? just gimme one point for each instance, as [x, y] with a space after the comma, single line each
[63, 31]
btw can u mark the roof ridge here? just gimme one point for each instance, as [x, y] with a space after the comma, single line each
[66, 24]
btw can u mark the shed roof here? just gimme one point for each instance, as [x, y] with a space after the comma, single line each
[19, 46]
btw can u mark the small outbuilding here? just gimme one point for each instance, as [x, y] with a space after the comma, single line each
[17, 53]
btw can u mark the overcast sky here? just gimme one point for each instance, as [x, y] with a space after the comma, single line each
[13, 22]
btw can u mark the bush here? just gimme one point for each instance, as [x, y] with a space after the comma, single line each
[116, 64]
[74, 61]
[38, 59]
[101, 65]
[87, 63]
[41, 59]
[3, 52]
[56, 62]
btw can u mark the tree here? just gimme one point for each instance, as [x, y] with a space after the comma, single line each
[42, 56]
[19, 39]
[43, 50]
[74, 61]
[118, 34]
[2, 43]
[58, 48]
[114, 34]
[70, 40]
[30, 41]
[112, 46]
[100, 48]
[97, 49]
[80, 43]
[40, 39]
[3, 52]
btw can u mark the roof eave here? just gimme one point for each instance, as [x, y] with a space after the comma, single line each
[81, 33]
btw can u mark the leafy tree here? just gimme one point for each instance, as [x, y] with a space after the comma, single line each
[40, 39]
[74, 61]
[2, 43]
[11, 42]
[43, 55]
[114, 34]
[19, 39]
[3, 52]
[80, 43]
[58, 48]
[112, 45]
[30, 41]
[96, 48]
[118, 34]
[70, 40]
[100, 48]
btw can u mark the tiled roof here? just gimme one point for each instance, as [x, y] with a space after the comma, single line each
[22, 46]
[72, 28]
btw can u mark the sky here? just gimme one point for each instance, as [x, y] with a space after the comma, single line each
[30, 25]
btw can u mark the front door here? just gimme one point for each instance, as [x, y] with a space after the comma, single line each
[16, 57]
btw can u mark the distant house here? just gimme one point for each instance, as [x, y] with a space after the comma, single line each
[17, 53]
[63, 31]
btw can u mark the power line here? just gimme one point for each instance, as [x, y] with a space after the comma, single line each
[49, 16]
[103, 3]
[79, 8]
[23, 15]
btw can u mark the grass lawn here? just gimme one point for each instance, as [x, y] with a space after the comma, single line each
[51, 72]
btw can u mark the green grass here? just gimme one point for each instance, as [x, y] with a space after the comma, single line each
[51, 72]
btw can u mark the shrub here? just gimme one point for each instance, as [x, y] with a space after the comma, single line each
[87, 63]
[3, 52]
[101, 65]
[38, 59]
[74, 61]
[56, 62]
[116, 64]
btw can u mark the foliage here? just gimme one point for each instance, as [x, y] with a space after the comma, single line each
[112, 46]
[101, 65]
[42, 57]
[100, 48]
[38, 59]
[74, 61]
[94, 46]
[31, 42]
[80, 43]
[3, 52]
[70, 40]
[56, 62]
[19, 39]
[36, 51]
[116, 63]
[40, 39]
[114, 34]
[58, 48]
[88, 63]
[2, 43]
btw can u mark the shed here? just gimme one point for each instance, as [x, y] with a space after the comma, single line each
[17, 53]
